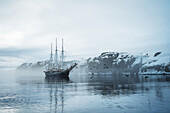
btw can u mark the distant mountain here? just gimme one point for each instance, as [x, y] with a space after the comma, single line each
[115, 62]
[118, 62]
[41, 65]
[33, 66]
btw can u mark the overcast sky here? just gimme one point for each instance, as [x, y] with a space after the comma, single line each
[89, 27]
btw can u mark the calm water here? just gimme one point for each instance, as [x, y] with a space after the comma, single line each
[85, 94]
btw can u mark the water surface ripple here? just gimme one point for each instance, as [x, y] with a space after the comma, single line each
[97, 94]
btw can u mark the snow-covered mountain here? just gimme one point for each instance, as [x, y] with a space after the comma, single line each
[125, 62]
[115, 62]
[41, 65]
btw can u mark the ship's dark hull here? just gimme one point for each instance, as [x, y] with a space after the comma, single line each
[62, 74]
[59, 73]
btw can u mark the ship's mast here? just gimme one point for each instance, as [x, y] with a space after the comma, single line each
[62, 55]
[51, 59]
[141, 61]
[56, 55]
[51, 55]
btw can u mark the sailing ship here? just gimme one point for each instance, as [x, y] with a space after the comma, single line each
[56, 68]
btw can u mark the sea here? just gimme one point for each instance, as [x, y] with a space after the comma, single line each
[84, 93]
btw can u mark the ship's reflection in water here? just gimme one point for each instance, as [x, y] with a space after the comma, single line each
[97, 94]
[56, 86]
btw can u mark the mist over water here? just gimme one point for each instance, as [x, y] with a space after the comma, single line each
[82, 93]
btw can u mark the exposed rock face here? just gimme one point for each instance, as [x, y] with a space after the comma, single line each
[156, 68]
[112, 62]
[115, 62]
